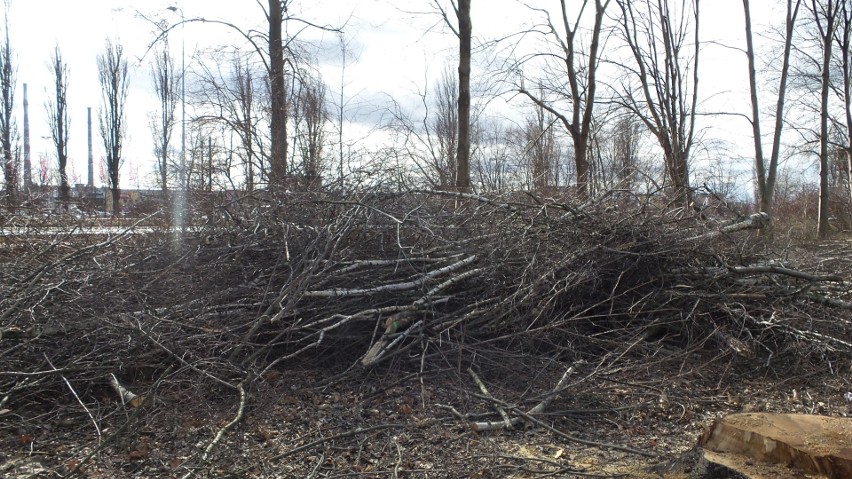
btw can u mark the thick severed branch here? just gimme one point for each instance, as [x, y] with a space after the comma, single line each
[408, 285]
[754, 222]
[765, 269]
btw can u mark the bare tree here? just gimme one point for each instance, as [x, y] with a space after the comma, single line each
[445, 128]
[825, 16]
[273, 49]
[28, 178]
[57, 115]
[8, 81]
[658, 37]
[245, 119]
[203, 165]
[230, 100]
[843, 37]
[278, 93]
[767, 174]
[464, 32]
[581, 72]
[491, 163]
[112, 73]
[625, 139]
[341, 103]
[463, 155]
[167, 86]
[432, 141]
[540, 149]
[310, 117]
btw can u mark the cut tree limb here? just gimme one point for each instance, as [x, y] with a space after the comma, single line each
[754, 222]
[127, 396]
[507, 421]
[403, 286]
[764, 269]
[537, 409]
[392, 325]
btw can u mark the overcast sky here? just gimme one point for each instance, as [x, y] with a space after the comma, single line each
[391, 53]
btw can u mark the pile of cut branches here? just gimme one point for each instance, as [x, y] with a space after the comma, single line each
[270, 280]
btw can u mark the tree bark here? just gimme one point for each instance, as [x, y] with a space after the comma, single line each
[766, 176]
[463, 152]
[826, 32]
[844, 43]
[278, 120]
[7, 95]
[760, 170]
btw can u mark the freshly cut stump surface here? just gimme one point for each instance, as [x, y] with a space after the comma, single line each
[813, 444]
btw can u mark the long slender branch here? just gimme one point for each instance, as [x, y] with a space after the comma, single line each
[407, 285]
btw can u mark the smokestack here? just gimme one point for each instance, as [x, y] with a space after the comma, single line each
[28, 179]
[91, 180]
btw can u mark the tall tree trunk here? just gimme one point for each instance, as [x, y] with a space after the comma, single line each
[112, 73]
[28, 180]
[90, 174]
[57, 108]
[278, 120]
[844, 44]
[826, 31]
[581, 163]
[7, 95]
[772, 173]
[116, 198]
[766, 175]
[759, 169]
[582, 84]
[822, 219]
[463, 152]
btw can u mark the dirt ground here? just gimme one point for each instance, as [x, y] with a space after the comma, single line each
[308, 422]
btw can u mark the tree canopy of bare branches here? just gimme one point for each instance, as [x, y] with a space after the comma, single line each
[581, 70]
[8, 82]
[663, 80]
[59, 120]
[767, 174]
[229, 92]
[112, 73]
[167, 86]
[826, 18]
[310, 118]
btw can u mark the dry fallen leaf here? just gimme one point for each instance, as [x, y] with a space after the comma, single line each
[266, 434]
[139, 454]
[73, 464]
[137, 401]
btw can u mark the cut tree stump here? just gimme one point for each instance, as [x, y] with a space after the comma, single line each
[798, 443]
